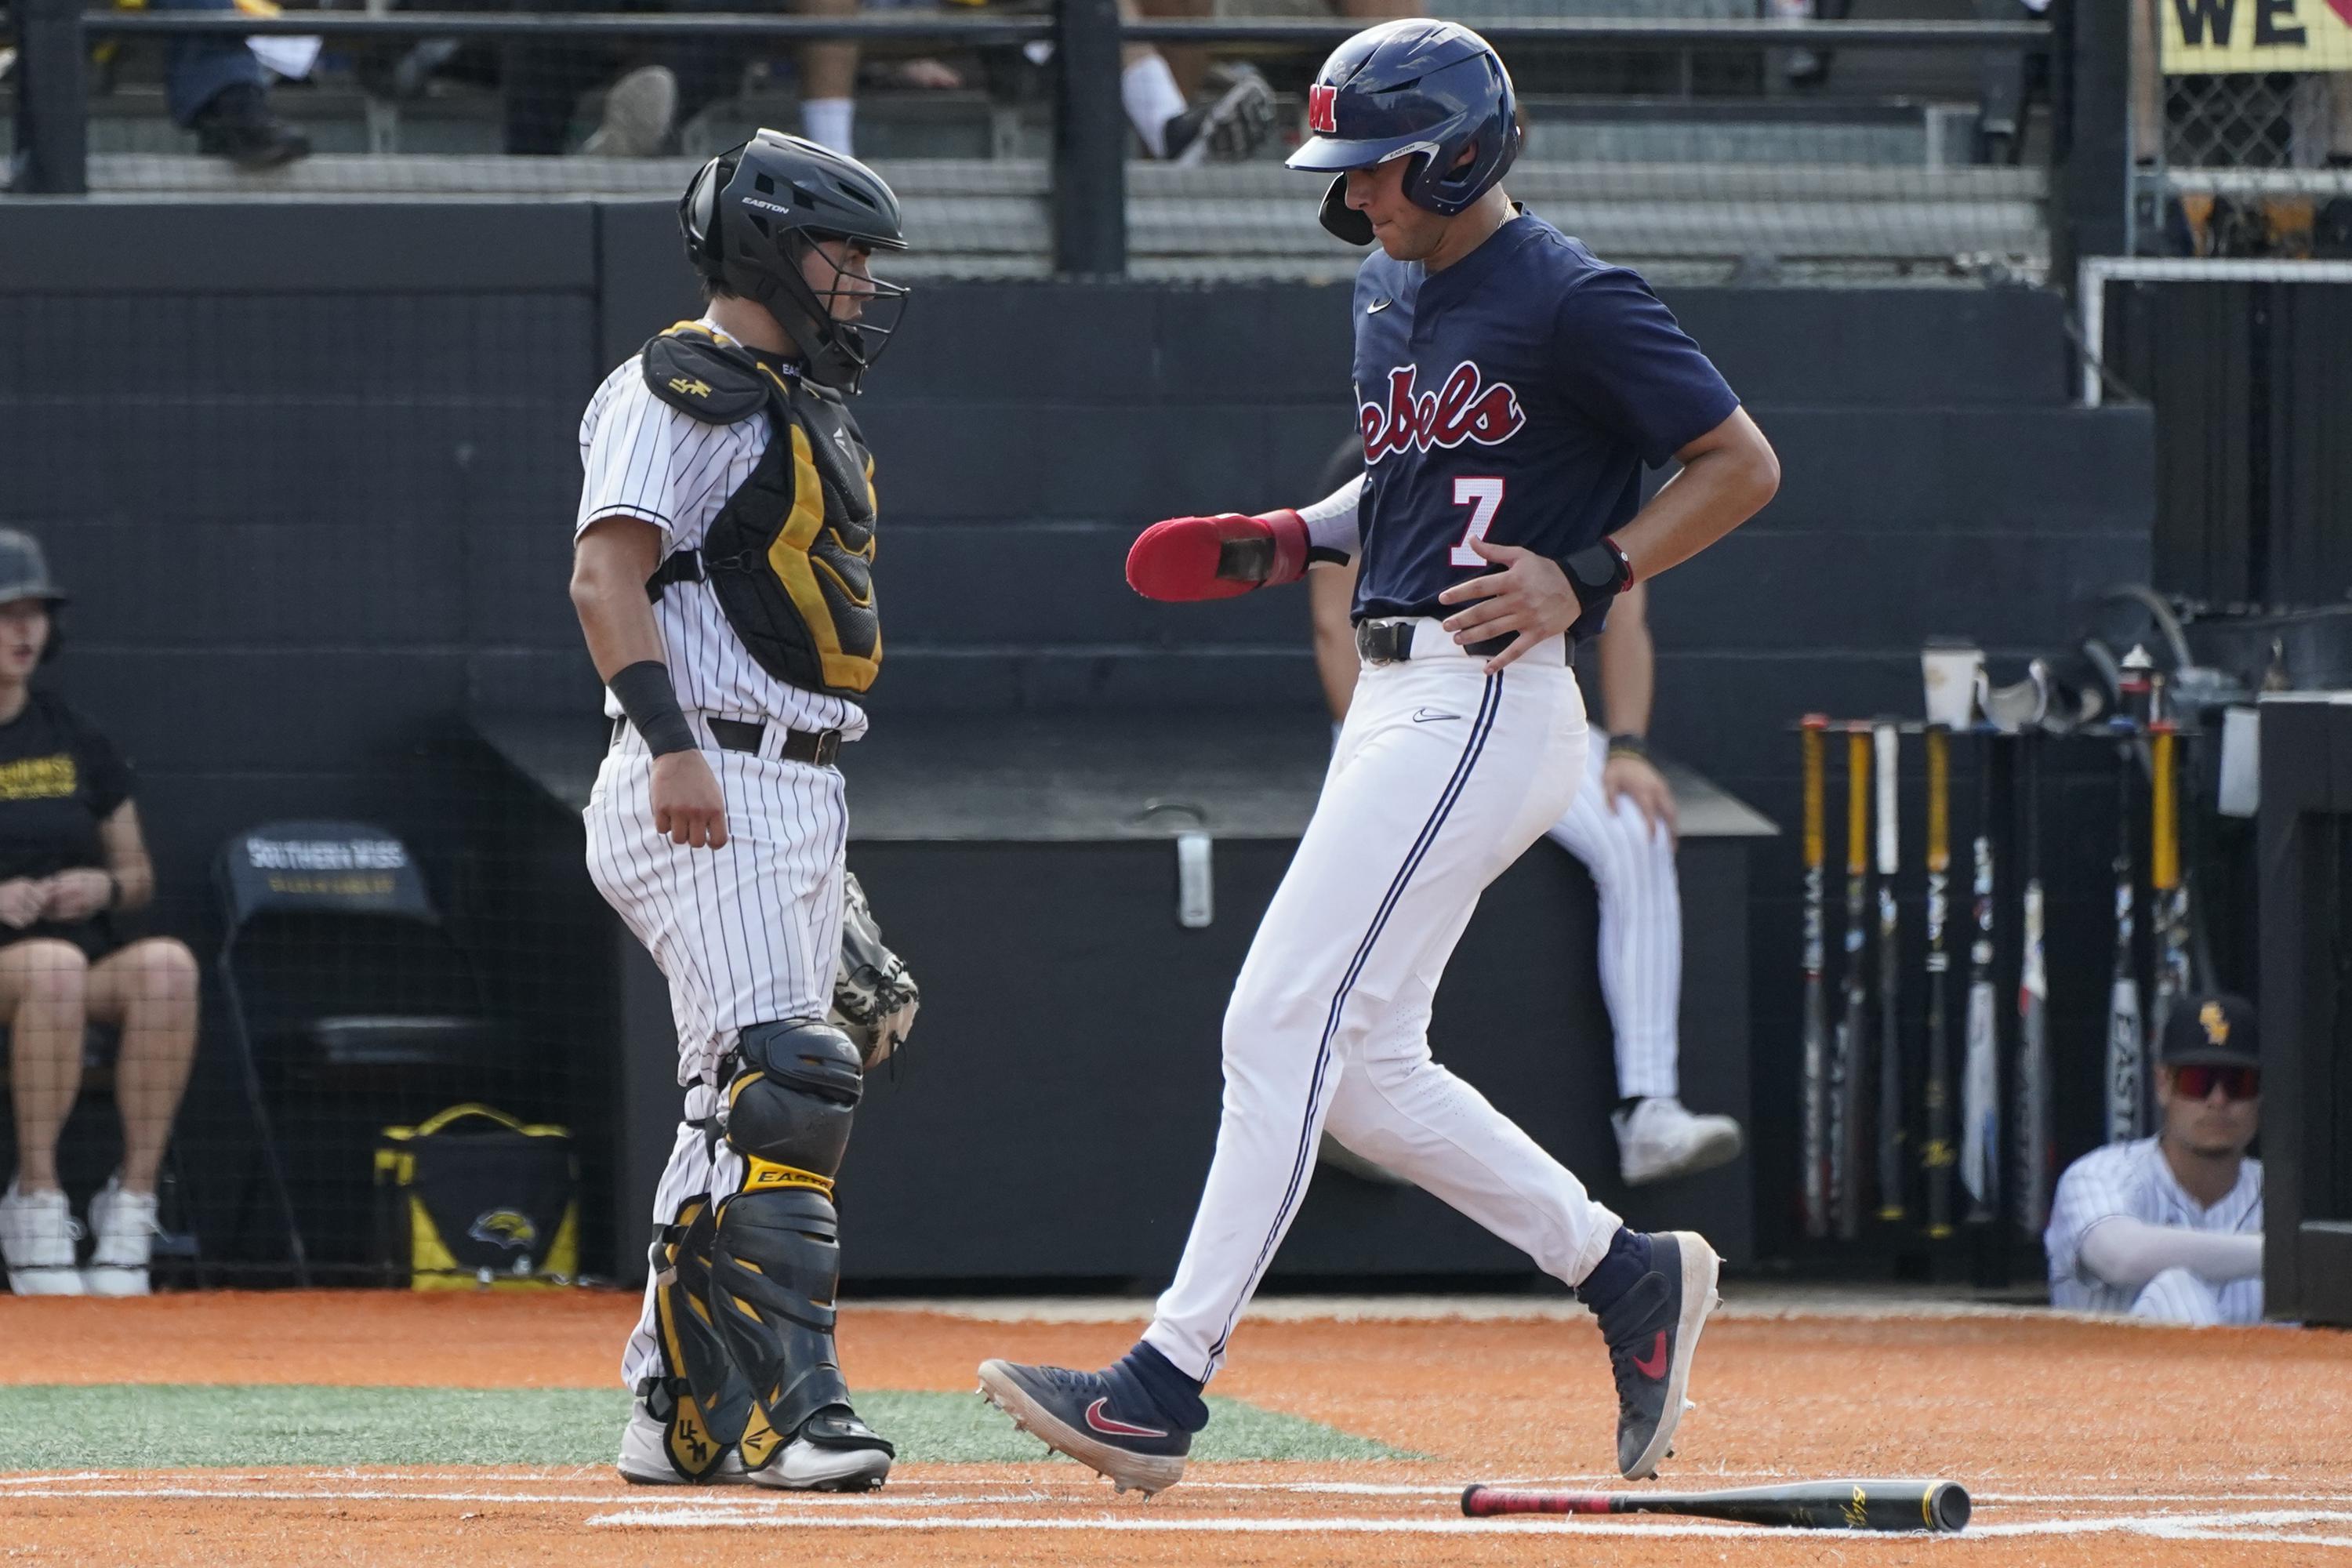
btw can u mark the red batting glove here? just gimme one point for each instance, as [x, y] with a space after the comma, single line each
[1217, 557]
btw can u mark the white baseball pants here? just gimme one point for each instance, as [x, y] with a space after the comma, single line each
[1443, 775]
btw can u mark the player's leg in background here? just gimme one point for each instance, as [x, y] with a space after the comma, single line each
[1414, 820]
[1395, 1106]
[2176, 1295]
[1631, 863]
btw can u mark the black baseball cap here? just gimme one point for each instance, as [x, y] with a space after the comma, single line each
[2211, 1031]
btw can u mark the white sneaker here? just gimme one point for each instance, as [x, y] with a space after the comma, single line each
[37, 1235]
[638, 110]
[1658, 1139]
[644, 1456]
[124, 1228]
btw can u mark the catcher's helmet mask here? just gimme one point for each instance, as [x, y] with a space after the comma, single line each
[1429, 92]
[751, 219]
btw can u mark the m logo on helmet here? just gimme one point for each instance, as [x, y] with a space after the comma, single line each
[1323, 110]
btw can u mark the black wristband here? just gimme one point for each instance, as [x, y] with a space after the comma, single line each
[651, 703]
[1629, 746]
[1598, 573]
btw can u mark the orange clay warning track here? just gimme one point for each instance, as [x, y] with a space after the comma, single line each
[2085, 1444]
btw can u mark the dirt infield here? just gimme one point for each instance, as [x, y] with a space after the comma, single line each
[2095, 1444]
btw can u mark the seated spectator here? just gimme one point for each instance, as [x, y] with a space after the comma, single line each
[647, 106]
[2170, 1228]
[216, 87]
[1159, 85]
[71, 857]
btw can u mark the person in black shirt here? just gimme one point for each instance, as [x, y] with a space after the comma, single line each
[71, 859]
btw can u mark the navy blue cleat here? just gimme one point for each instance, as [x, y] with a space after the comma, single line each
[1652, 1330]
[1106, 1422]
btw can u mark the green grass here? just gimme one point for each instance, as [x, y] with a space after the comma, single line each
[124, 1426]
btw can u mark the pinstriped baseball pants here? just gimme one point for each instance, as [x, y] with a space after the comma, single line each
[746, 935]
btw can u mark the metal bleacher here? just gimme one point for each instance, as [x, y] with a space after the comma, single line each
[1702, 165]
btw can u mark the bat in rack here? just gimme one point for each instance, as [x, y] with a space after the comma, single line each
[1938, 1507]
[1890, 971]
[1816, 1043]
[2032, 1130]
[1853, 1028]
[1936, 1156]
[2127, 1044]
[2169, 891]
[1981, 1070]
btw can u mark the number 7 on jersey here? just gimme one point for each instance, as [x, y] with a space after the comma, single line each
[1483, 494]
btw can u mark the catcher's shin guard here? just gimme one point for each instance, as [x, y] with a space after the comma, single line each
[775, 1258]
[702, 1403]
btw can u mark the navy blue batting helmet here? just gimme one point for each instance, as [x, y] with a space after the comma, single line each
[1430, 90]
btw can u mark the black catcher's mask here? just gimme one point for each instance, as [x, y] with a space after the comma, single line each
[754, 213]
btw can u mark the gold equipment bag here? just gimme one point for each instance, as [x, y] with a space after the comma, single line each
[474, 1198]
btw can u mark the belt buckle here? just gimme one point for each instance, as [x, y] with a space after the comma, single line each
[828, 747]
[1378, 641]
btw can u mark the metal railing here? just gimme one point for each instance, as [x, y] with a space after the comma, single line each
[1089, 173]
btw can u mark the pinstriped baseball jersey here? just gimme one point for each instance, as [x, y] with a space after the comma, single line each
[646, 460]
[2132, 1181]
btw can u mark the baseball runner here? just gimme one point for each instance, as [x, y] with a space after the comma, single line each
[1622, 827]
[2170, 1228]
[723, 572]
[1511, 387]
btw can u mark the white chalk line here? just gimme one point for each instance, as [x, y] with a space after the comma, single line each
[2185, 1526]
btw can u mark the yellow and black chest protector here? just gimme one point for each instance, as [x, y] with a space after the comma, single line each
[791, 555]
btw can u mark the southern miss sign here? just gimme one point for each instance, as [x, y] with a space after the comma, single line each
[2216, 36]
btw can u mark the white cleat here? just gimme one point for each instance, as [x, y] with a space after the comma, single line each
[644, 1456]
[36, 1236]
[806, 1466]
[1658, 1139]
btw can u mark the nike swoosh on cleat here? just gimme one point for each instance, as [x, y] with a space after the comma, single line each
[1431, 716]
[1653, 1365]
[1111, 1426]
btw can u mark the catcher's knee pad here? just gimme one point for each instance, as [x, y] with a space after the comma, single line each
[775, 1254]
[700, 1399]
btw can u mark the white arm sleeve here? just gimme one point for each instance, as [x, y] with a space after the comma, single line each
[1331, 522]
[2129, 1253]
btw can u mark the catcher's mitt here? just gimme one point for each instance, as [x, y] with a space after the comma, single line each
[874, 997]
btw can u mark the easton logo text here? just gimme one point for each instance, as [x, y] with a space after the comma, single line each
[1466, 408]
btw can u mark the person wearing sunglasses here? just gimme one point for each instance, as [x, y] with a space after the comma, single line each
[2170, 1228]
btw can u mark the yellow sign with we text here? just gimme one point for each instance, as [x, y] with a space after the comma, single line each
[2215, 36]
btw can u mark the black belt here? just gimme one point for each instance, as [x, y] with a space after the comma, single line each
[818, 748]
[1390, 642]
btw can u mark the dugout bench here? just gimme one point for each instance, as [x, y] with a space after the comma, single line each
[1054, 1115]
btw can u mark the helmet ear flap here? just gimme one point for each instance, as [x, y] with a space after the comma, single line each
[1342, 219]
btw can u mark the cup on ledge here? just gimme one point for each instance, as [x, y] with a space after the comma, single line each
[1949, 667]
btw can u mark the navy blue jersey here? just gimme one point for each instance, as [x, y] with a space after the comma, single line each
[1514, 395]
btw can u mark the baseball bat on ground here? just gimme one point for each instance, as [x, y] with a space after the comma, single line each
[2032, 1013]
[1981, 1072]
[2126, 1046]
[1935, 1158]
[1853, 1029]
[1816, 1042]
[1929, 1506]
[1890, 960]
